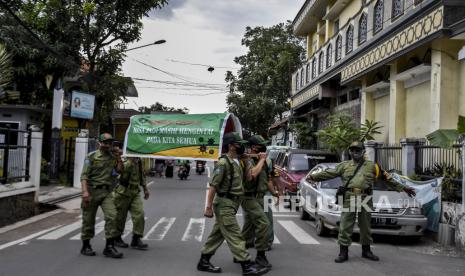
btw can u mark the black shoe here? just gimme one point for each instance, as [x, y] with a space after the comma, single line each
[120, 243]
[137, 243]
[262, 261]
[86, 249]
[343, 254]
[205, 265]
[249, 268]
[110, 250]
[367, 254]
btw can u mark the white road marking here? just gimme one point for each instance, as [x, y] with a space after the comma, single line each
[208, 171]
[98, 228]
[150, 183]
[194, 230]
[164, 224]
[62, 231]
[277, 215]
[127, 228]
[275, 240]
[30, 237]
[29, 221]
[298, 233]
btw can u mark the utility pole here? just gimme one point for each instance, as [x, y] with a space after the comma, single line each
[57, 122]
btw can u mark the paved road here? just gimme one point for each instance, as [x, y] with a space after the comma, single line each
[175, 232]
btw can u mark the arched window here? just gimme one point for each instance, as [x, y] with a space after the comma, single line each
[362, 29]
[297, 81]
[397, 8]
[338, 48]
[321, 64]
[307, 73]
[378, 16]
[313, 68]
[329, 56]
[349, 39]
[302, 78]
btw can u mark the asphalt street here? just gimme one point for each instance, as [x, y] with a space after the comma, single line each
[175, 232]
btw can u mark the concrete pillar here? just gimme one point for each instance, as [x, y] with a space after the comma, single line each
[367, 105]
[396, 107]
[370, 150]
[463, 176]
[79, 156]
[409, 154]
[35, 159]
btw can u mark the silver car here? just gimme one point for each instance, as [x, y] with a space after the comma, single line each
[394, 213]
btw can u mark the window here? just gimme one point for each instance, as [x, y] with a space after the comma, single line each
[342, 99]
[307, 72]
[302, 75]
[397, 8]
[378, 16]
[322, 62]
[362, 29]
[313, 68]
[13, 136]
[336, 26]
[297, 81]
[329, 56]
[338, 48]
[350, 39]
[417, 2]
[354, 94]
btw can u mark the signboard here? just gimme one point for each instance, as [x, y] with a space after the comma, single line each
[82, 105]
[179, 136]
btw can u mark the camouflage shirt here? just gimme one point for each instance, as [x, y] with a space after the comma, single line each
[221, 178]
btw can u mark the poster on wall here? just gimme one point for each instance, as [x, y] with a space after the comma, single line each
[82, 105]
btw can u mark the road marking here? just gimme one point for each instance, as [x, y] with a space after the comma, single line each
[62, 231]
[276, 215]
[127, 228]
[208, 171]
[29, 221]
[276, 240]
[194, 230]
[150, 183]
[3, 246]
[298, 233]
[164, 225]
[98, 228]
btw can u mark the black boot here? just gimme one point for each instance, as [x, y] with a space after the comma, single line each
[249, 268]
[120, 243]
[262, 260]
[366, 253]
[137, 243]
[86, 249]
[343, 254]
[205, 265]
[110, 250]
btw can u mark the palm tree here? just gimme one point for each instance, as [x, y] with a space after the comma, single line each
[445, 138]
[6, 70]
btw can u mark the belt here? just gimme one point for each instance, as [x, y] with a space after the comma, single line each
[101, 187]
[254, 194]
[228, 195]
[360, 191]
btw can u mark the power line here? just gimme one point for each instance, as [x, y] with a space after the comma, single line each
[204, 65]
[191, 94]
[179, 88]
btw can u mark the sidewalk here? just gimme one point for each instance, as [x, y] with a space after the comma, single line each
[54, 194]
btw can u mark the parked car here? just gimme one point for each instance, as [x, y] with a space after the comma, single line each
[293, 164]
[394, 214]
[272, 151]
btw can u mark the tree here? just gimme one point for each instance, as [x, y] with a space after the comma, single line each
[90, 35]
[445, 138]
[341, 131]
[160, 107]
[259, 93]
[306, 136]
[6, 69]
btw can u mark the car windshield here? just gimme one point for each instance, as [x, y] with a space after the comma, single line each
[273, 154]
[305, 162]
[331, 183]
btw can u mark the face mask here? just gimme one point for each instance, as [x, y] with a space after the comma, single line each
[356, 155]
[240, 150]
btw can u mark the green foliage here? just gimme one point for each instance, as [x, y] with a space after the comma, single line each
[160, 107]
[445, 138]
[6, 70]
[306, 137]
[341, 131]
[259, 92]
[450, 187]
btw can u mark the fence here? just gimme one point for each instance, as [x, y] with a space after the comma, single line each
[389, 157]
[430, 160]
[68, 164]
[15, 152]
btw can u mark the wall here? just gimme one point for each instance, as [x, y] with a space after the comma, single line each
[462, 88]
[382, 116]
[417, 113]
[16, 208]
[349, 12]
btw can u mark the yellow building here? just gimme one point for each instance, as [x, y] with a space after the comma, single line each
[398, 62]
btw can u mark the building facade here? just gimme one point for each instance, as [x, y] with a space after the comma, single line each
[396, 62]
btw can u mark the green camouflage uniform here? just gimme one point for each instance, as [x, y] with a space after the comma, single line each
[127, 197]
[360, 186]
[225, 209]
[257, 228]
[98, 169]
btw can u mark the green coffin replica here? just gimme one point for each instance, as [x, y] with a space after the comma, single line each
[179, 136]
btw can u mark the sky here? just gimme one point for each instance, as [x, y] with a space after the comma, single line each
[204, 32]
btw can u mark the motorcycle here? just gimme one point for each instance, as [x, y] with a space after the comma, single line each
[200, 167]
[183, 172]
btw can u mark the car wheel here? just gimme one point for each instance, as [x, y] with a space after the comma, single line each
[304, 215]
[320, 227]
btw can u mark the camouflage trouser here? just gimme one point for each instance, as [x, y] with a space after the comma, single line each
[226, 228]
[347, 223]
[129, 201]
[104, 199]
[256, 224]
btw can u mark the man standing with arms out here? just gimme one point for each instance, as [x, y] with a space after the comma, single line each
[126, 198]
[96, 181]
[226, 184]
[358, 175]
[257, 226]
